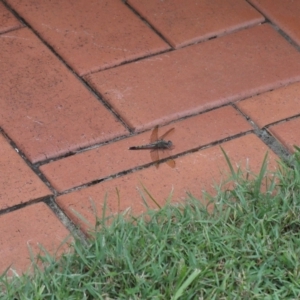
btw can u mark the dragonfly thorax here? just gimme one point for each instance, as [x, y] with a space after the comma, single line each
[162, 144]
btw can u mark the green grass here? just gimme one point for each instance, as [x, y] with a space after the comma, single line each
[248, 248]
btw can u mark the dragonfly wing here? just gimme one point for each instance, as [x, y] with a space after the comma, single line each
[155, 156]
[170, 131]
[167, 153]
[171, 163]
[154, 135]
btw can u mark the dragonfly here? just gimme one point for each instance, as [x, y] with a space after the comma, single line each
[158, 146]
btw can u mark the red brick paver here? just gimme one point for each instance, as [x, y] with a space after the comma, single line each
[25, 229]
[113, 158]
[43, 107]
[273, 106]
[285, 14]
[18, 183]
[199, 77]
[287, 133]
[7, 20]
[194, 173]
[82, 81]
[91, 37]
[196, 20]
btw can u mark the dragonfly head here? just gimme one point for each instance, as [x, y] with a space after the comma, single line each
[170, 145]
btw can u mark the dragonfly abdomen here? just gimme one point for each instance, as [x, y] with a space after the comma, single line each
[143, 147]
[160, 144]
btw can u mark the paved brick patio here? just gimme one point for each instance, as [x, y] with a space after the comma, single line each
[82, 81]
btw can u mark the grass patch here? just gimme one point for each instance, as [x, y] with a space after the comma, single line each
[248, 248]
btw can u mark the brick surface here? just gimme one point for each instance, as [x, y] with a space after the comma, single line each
[7, 20]
[18, 183]
[195, 21]
[193, 173]
[195, 78]
[285, 14]
[287, 133]
[113, 158]
[273, 106]
[43, 107]
[51, 114]
[91, 35]
[31, 226]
